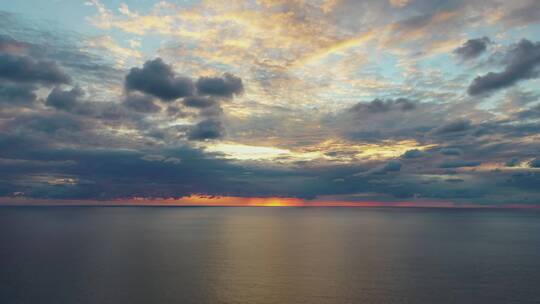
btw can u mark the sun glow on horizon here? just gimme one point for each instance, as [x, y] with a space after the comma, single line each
[201, 200]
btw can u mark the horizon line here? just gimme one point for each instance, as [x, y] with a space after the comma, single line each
[232, 201]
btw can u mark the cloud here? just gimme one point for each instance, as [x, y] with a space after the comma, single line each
[10, 45]
[524, 14]
[535, 163]
[63, 49]
[414, 153]
[48, 123]
[450, 151]
[512, 163]
[132, 133]
[207, 129]
[453, 127]
[158, 79]
[64, 100]
[381, 106]
[392, 166]
[141, 103]
[472, 48]
[225, 86]
[521, 64]
[459, 164]
[214, 111]
[17, 94]
[199, 102]
[399, 3]
[29, 70]
[531, 113]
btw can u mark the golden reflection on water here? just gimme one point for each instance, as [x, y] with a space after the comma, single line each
[269, 259]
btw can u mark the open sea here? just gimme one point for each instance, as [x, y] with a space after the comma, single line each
[116, 255]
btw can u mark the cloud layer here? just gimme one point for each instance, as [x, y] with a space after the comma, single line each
[386, 101]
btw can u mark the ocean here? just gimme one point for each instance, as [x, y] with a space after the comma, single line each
[282, 255]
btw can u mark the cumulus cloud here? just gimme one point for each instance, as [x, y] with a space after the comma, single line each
[64, 100]
[25, 69]
[225, 86]
[158, 79]
[521, 63]
[472, 48]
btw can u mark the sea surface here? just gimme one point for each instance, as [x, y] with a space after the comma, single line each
[269, 255]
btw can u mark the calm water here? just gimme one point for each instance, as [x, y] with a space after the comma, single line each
[268, 255]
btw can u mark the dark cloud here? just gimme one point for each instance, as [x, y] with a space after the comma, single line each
[512, 163]
[141, 103]
[454, 180]
[453, 127]
[381, 106]
[47, 123]
[207, 129]
[532, 113]
[214, 111]
[28, 70]
[392, 166]
[415, 153]
[158, 79]
[198, 102]
[528, 181]
[118, 173]
[61, 48]
[521, 63]
[64, 100]
[459, 164]
[450, 151]
[71, 101]
[225, 86]
[473, 48]
[176, 111]
[17, 94]
[535, 163]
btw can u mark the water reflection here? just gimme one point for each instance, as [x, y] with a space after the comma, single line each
[268, 255]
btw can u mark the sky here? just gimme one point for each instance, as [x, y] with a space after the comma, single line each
[270, 102]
